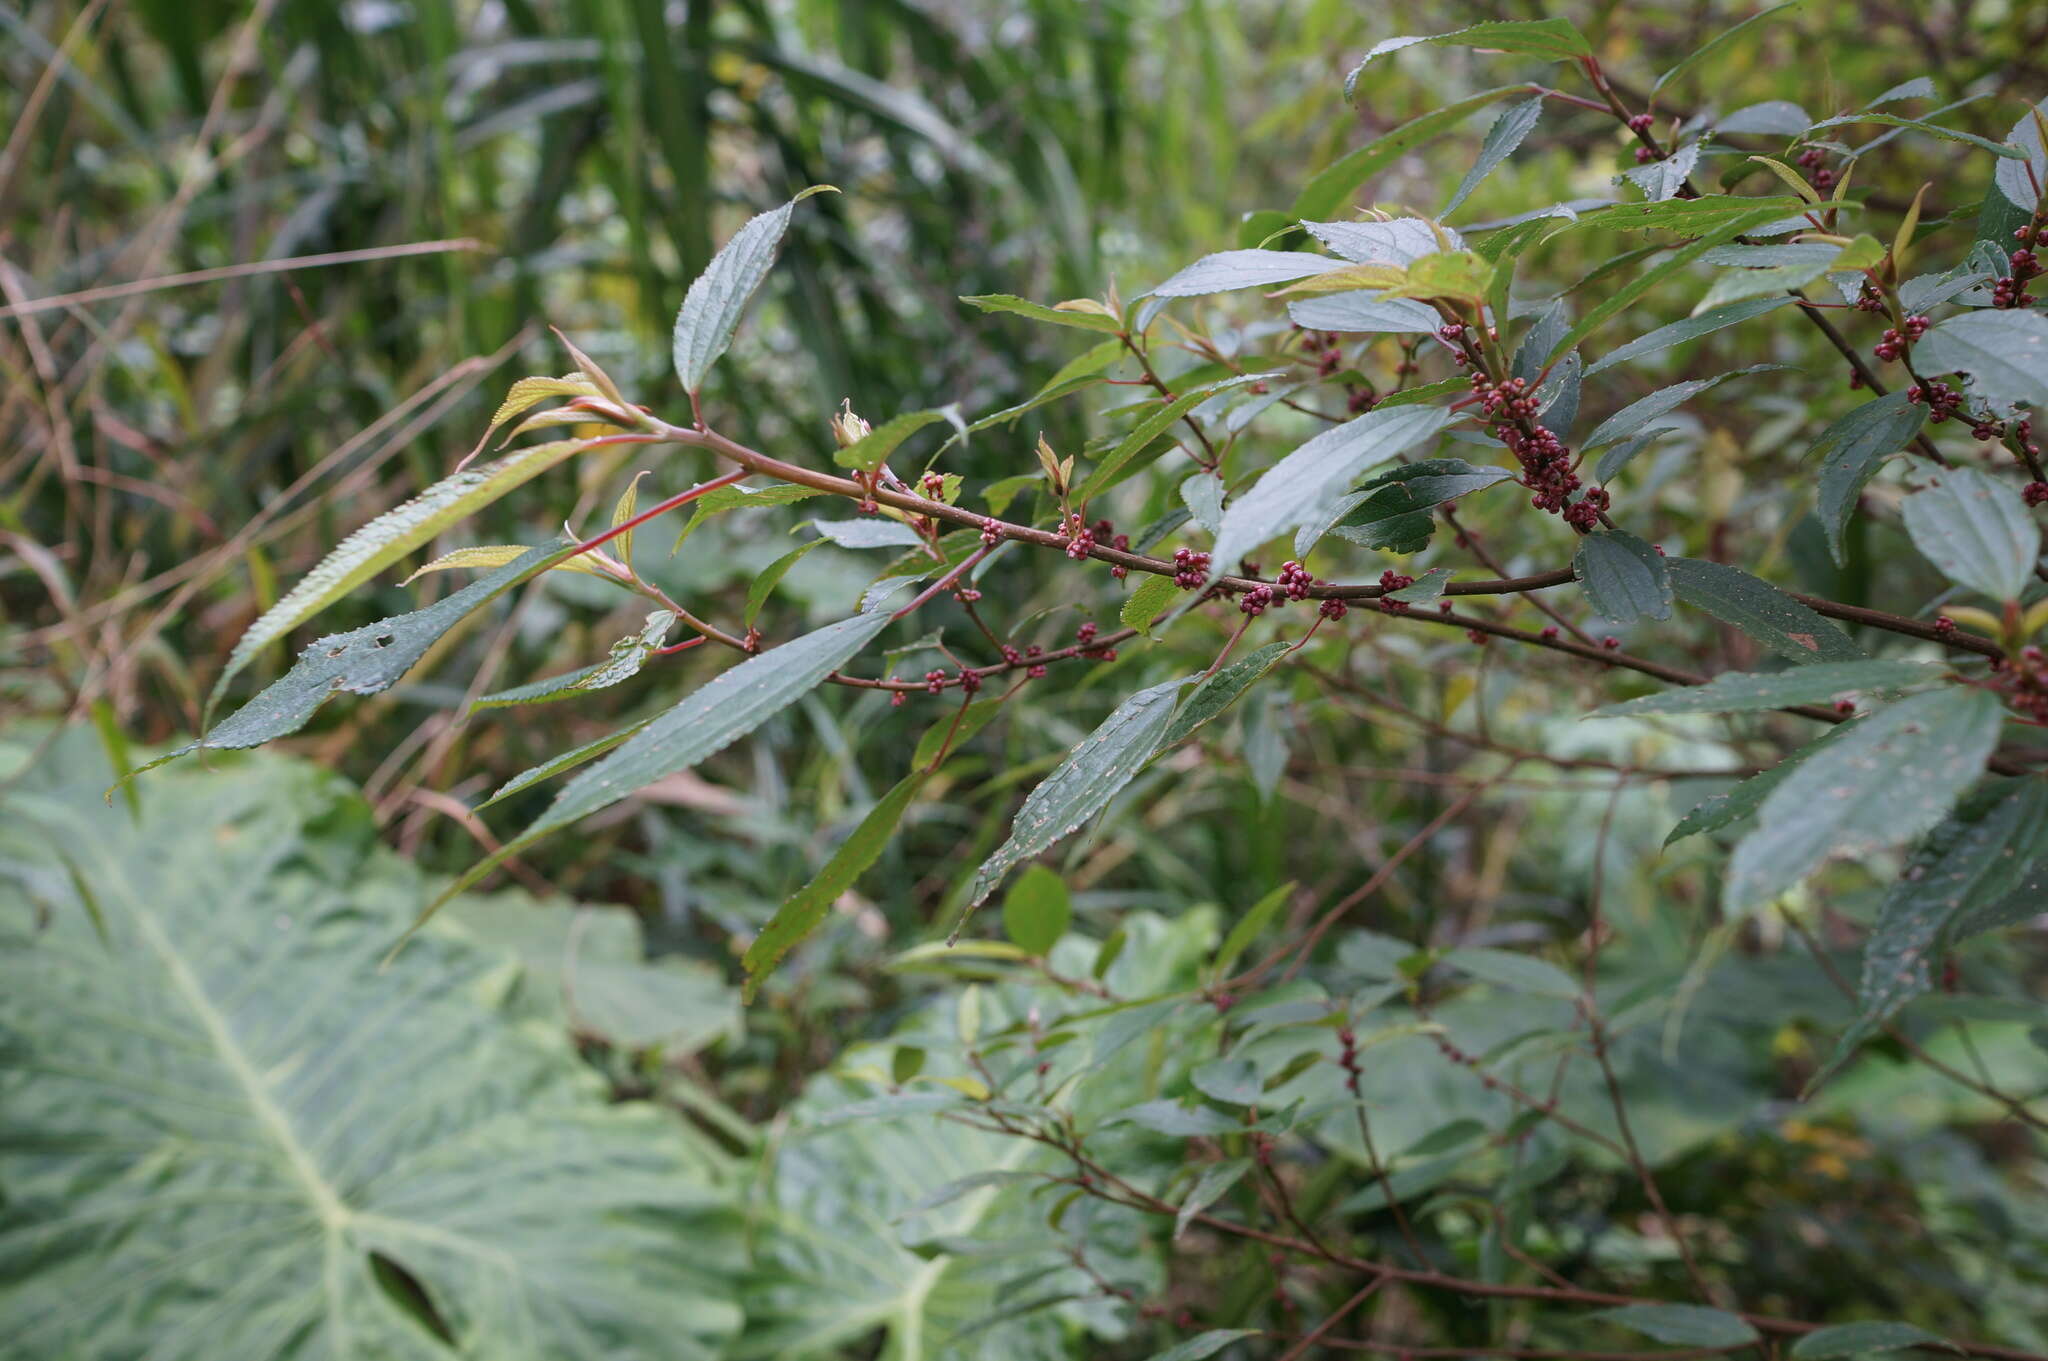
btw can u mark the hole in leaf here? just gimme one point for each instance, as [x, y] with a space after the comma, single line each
[404, 1290]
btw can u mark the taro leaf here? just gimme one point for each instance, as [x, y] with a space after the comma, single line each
[1742, 800]
[1624, 577]
[708, 720]
[1690, 328]
[873, 449]
[1233, 269]
[1365, 313]
[1892, 776]
[388, 538]
[803, 913]
[1850, 451]
[1507, 132]
[1551, 39]
[1734, 692]
[1979, 857]
[1332, 186]
[2005, 352]
[1295, 489]
[1219, 690]
[2020, 179]
[623, 663]
[1683, 1325]
[1976, 530]
[1215, 1181]
[364, 661]
[712, 308]
[1859, 1339]
[872, 533]
[1760, 610]
[1116, 465]
[227, 1129]
[1058, 316]
[1082, 785]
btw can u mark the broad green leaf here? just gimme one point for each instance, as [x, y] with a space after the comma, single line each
[1737, 285]
[1246, 929]
[1203, 1345]
[622, 663]
[1551, 39]
[1294, 490]
[803, 913]
[872, 450]
[1744, 798]
[1364, 313]
[1507, 132]
[1214, 1183]
[1850, 451]
[555, 765]
[1037, 910]
[218, 1124]
[1118, 463]
[1624, 577]
[1760, 610]
[1174, 1120]
[949, 734]
[1233, 1081]
[1734, 692]
[764, 584]
[1333, 186]
[2024, 174]
[364, 661]
[1203, 495]
[1058, 316]
[1396, 243]
[1776, 117]
[1642, 411]
[1154, 596]
[1082, 785]
[1715, 43]
[1219, 690]
[1857, 1339]
[1723, 229]
[1976, 530]
[876, 532]
[711, 310]
[1683, 1325]
[390, 537]
[740, 496]
[1233, 269]
[2004, 350]
[1894, 775]
[1505, 968]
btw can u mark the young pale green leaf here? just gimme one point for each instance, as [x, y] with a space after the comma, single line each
[628, 501]
[1734, 692]
[1154, 596]
[390, 537]
[1760, 610]
[1118, 463]
[1976, 530]
[497, 555]
[1219, 690]
[1246, 929]
[764, 584]
[803, 913]
[2024, 173]
[1551, 39]
[1862, 1339]
[1507, 132]
[1293, 491]
[561, 761]
[1334, 185]
[1037, 910]
[1058, 316]
[1203, 1345]
[1234, 269]
[1683, 1325]
[622, 663]
[872, 450]
[364, 661]
[1520, 973]
[1894, 775]
[718, 297]
[1850, 451]
[1082, 785]
[529, 392]
[740, 497]
[1625, 578]
[1215, 1181]
[2005, 352]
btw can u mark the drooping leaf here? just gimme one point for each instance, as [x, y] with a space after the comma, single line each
[1233, 269]
[764, 583]
[1683, 1325]
[1058, 316]
[1894, 775]
[1734, 692]
[1624, 577]
[1037, 910]
[556, 764]
[1507, 132]
[1760, 610]
[1976, 530]
[1550, 39]
[390, 537]
[2005, 352]
[1219, 690]
[1291, 492]
[1082, 785]
[718, 297]
[1861, 1339]
[622, 663]
[1850, 451]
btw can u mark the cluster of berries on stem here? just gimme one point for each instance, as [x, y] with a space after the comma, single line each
[1814, 162]
[1896, 340]
[1510, 406]
[2023, 681]
[2023, 265]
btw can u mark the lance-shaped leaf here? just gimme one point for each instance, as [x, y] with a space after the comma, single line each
[530, 392]
[1644, 410]
[1760, 610]
[1118, 463]
[1683, 1325]
[712, 308]
[875, 533]
[707, 721]
[1976, 530]
[229, 1132]
[1391, 513]
[872, 450]
[362, 661]
[1398, 243]
[1862, 1339]
[555, 765]
[741, 497]
[1507, 132]
[1062, 315]
[1624, 577]
[1722, 229]
[1550, 39]
[1894, 775]
[1082, 785]
[1735, 692]
[1333, 185]
[1691, 328]
[1743, 799]
[621, 663]
[1219, 690]
[1300, 486]
[1850, 451]
[1233, 269]
[390, 537]
[497, 555]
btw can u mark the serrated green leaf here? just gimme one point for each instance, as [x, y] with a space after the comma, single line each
[497, 555]
[1325, 194]
[1218, 691]
[1857, 1339]
[1082, 785]
[873, 449]
[1760, 610]
[1642, 411]
[1722, 229]
[1976, 530]
[1894, 775]
[1734, 692]
[2021, 176]
[2004, 350]
[1227, 270]
[1744, 798]
[1707, 214]
[1850, 451]
[1551, 39]
[1214, 1183]
[1683, 1325]
[1119, 462]
[555, 765]
[1515, 123]
[739, 496]
[1037, 910]
[718, 297]
[622, 663]
[1024, 307]
[960, 732]
[764, 584]
[1625, 578]
[1154, 596]
[875, 532]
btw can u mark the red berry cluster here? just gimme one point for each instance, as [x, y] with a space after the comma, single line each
[2023, 681]
[1347, 1058]
[991, 533]
[1814, 161]
[970, 680]
[2011, 290]
[1105, 532]
[1190, 568]
[1085, 635]
[1256, 600]
[934, 485]
[1295, 580]
[1332, 608]
[1895, 340]
[1943, 401]
[935, 681]
[1641, 123]
[1080, 538]
[1030, 654]
[1391, 581]
[2035, 493]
